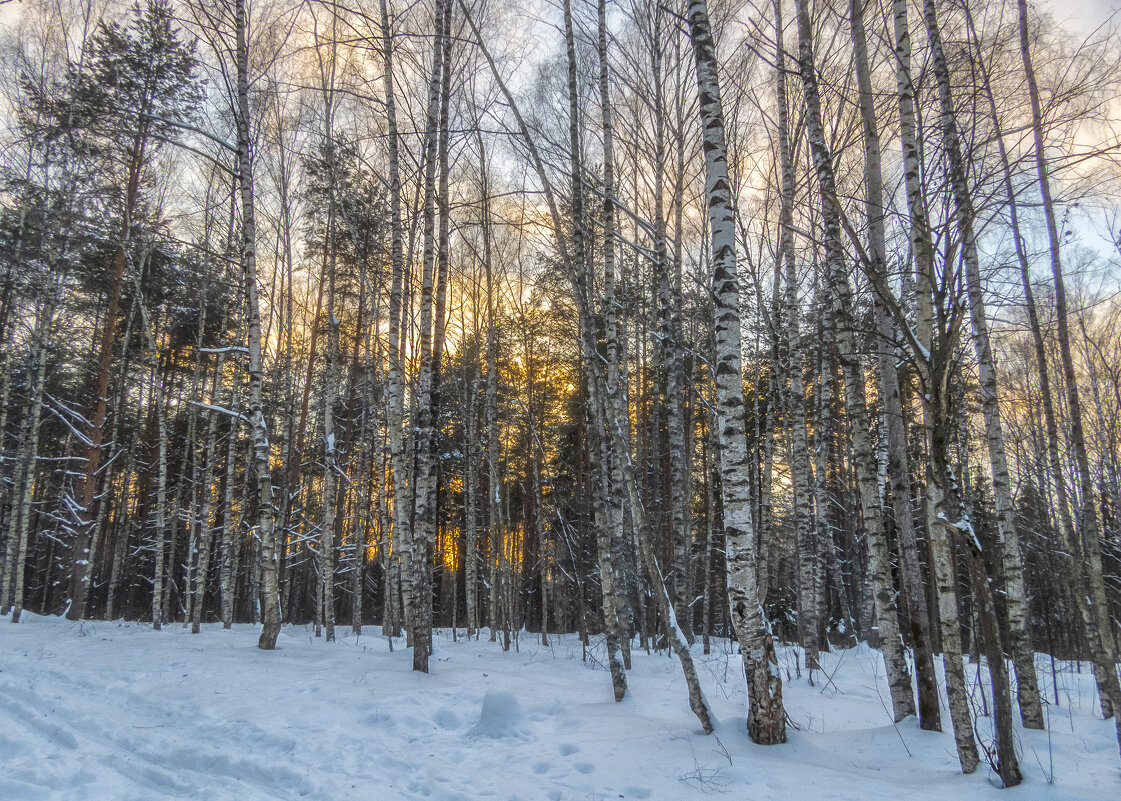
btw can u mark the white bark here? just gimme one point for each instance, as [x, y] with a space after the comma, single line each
[262, 472]
[1101, 636]
[766, 721]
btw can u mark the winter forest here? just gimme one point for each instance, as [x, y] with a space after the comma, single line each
[701, 345]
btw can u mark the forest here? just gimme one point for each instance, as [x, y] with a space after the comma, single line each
[656, 325]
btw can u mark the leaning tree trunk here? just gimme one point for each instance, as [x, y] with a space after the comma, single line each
[1031, 708]
[1101, 636]
[610, 412]
[86, 535]
[947, 512]
[899, 677]
[766, 718]
[839, 313]
[922, 254]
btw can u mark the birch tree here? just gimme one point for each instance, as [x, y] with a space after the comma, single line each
[766, 719]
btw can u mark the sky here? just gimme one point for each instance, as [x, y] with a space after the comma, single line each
[1084, 14]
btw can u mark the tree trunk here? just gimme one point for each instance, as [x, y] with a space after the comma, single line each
[610, 409]
[804, 534]
[605, 539]
[1101, 636]
[85, 536]
[160, 407]
[266, 535]
[766, 718]
[899, 676]
[331, 466]
[419, 579]
[922, 254]
[205, 528]
[671, 356]
[395, 395]
[1018, 607]
[28, 453]
[946, 507]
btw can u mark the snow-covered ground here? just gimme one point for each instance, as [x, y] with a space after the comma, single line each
[118, 712]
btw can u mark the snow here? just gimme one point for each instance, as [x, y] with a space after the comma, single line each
[114, 710]
[501, 715]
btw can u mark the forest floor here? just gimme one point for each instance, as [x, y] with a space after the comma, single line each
[114, 711]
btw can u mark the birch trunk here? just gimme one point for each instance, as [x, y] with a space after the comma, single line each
[611, 412]
[495, 525]
[710, 538]
[898, 673]
[204, 523]
[839, 310]
[190, 453]
[206, 544]
[1102, 641]
[400, 494]
[231, 550]
[6, 498]
[189, 461]
[419, 578]
[1018, 609]
[947, 507]
[159, 403]
[266, 535]
[366, 510]
[331, 465]
[922, 254]
[807, 550]
[330, 451]
[26, 471]
[795, 397]
[766, 718]
[605, 535]
[671, 356]
[470, 508]
[939, 517]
